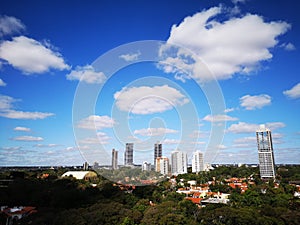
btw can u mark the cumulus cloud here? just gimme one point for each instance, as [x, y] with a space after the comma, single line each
[154, 131]
[255, 102]
[227, 47]
[148, 100]
[27, 138]
[7, 110]
[2, 83]
[10, 25]
[294, 92]
[25, 129]
[31, 56]
[86, 74]
[243, 127]
[96, 122]
[219, 118]
[130, 57]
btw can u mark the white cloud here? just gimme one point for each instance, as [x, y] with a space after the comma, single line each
[27, 138]
[7, 110]
[294, 92]
[2, 83]
[96, 122]
[86, 74]
[243, 127]
[130, 57]
[6, 102]
[10, 25]
[154, 131]
[13, 114]
[171, 141]
[219, 118]
[238, 1]
[229, 110]
[148, 100]
[288, 46]
[25, 129]
[31, 56]
[11, 148]
[255, 102]
[236, 45]
[46, 145]
[101, 138]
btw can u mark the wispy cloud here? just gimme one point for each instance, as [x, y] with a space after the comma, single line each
[86, 74]
[150, 132]
[2, 83]
[27, 138]
[25, 129]
[255, 101]
[243, 127]
[101, 138]
[294, 92]
[219, 118]
[10, 25]
[46, 145]
[7, 110]
[288, 46]
[31, 56]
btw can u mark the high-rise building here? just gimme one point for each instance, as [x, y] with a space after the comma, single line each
[265, 153]
[162, 165]
[197, 162]
[157, 152]
[178, 162]
[85, 166]
[146, 166]
[128, 159]
[114, 159]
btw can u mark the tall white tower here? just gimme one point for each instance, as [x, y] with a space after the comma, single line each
[265, 153]
[197, 162]
[178, 163]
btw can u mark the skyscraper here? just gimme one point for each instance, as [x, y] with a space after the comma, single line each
[178, 162]
[162, 165]
[265, 153]
[128, 159]
[157, 152]
[197, 162]
[114, 159]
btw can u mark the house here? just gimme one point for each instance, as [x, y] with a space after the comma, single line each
[16, 213]
[81, 175]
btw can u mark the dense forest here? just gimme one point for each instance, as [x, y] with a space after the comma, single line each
[69, 201]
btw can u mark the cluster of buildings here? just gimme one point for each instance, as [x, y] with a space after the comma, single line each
[177, 164]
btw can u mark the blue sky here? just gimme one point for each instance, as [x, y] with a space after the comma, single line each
[80, 78]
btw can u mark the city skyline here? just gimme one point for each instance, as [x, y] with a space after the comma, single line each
[236, 67]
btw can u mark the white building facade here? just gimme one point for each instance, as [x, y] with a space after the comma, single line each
[178, 163]
[197, 162]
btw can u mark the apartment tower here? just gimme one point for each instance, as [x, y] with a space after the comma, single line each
[265, 153]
